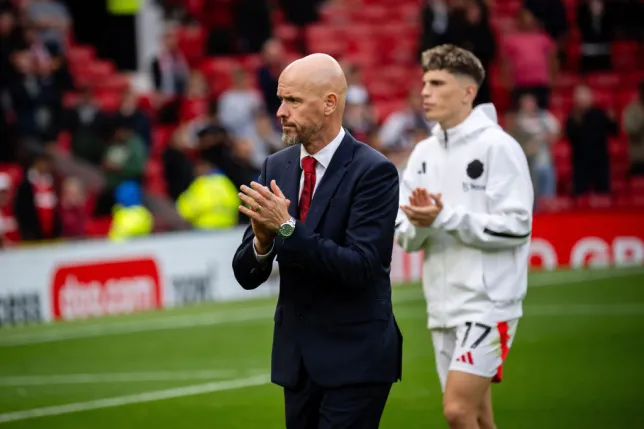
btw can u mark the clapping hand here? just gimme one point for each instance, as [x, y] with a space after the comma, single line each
[269, 209]
[423, 207]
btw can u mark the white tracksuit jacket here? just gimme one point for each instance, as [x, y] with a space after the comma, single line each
[476, 251]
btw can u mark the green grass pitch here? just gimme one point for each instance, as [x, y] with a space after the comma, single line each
[577, 363]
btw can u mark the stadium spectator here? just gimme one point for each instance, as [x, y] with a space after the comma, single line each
[177, 166]
[469, 28]
[587, 129]
[537, 130]
[211, 201]
[6, 220]
[399, 130]
[238, 105]
[633, 123]
[123, 159]
[10, 40]
[551, 14]
[596, 25]
[300, 13]
[359, 118]
[253, 24]
[529, 60]
[435, 18]
[274, 62]
[86, 123]
[36, 206]
[52, 20]
[73, 208]
[130, 217]
[133, 117]
[170, 74]
[266, 138]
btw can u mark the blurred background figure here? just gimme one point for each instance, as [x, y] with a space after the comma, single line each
[537, 130]
[597, 27]
[86, 123]
[529, 59]
[130, 217]
[551, 17]
[237, 105]
[211, 201]
[37, 206]
[134, 118]
[588, 129]
[73, 208]
[7, 221]
[123, 159]
[177, 163]
[633, 124]
[399, 132]
[52, 20]
[273, 62]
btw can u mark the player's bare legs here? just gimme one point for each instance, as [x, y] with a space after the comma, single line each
[486, 414]
[464, 394]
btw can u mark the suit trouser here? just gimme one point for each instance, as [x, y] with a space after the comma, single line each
[310, 406]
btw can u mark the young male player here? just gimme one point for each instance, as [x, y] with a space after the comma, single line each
[466, 199]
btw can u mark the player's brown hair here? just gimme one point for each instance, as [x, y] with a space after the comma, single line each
[454, 60]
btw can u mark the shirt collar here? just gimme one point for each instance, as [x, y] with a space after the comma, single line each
[323, 157]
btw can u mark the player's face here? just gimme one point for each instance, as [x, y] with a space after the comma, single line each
[301, 112]
[445, 95]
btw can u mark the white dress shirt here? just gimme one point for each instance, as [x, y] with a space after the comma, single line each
[323, 158]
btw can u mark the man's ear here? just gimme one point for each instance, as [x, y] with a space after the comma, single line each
[470, 93]
[330, 103]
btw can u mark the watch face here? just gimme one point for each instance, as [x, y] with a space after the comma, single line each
[286, 230]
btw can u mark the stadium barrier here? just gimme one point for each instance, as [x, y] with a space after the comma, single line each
[96, 278]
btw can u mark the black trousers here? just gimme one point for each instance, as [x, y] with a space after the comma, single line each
[310, 406]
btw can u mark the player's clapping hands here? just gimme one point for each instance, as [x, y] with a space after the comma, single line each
[423, 207]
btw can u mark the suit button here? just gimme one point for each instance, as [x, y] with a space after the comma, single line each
[299, 315]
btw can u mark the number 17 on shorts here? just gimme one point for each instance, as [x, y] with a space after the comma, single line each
[481, 348]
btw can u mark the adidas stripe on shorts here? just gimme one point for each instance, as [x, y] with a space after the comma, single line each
[475, 347]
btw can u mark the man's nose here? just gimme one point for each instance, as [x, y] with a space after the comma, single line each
[282, 112]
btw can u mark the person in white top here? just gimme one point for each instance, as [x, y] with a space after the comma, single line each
[466, 199]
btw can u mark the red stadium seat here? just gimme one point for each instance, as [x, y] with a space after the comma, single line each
[98, 227]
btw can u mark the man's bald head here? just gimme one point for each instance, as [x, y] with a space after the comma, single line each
[313, 90]
[320, 72]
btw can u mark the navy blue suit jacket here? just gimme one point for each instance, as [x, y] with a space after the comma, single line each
[334, 315]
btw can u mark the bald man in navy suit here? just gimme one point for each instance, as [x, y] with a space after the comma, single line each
[325, 208]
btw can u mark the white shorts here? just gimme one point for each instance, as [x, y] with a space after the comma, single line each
[476, 348]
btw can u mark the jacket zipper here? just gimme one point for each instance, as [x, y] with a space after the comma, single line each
[443, 253]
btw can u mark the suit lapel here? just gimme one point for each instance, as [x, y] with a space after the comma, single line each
[290, 185]
[332, 177]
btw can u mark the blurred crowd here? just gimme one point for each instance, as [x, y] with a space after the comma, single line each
[76, 162]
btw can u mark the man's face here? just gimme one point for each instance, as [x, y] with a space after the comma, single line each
[444, 95]
[301, 111]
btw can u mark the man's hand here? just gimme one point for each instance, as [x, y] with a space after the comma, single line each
[423, 207]
[267, 210]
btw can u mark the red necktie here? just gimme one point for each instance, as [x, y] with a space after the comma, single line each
[308, 165]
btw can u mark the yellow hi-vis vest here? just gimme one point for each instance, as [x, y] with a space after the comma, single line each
[128, 222]
[210, 202]
[123, 7]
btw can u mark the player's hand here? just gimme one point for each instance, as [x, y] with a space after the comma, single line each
[266, 208]
[419, 198]
[424, 207]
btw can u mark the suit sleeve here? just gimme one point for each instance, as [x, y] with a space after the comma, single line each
[408, 236]
[369, 234]
[249, 271]
[508, 220]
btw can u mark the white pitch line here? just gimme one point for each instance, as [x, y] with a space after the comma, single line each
[138, 398]
[260, 312]
[118, 377]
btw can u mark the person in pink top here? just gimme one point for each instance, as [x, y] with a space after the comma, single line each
[529, 60]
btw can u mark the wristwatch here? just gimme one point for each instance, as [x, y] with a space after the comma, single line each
[286, 229]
